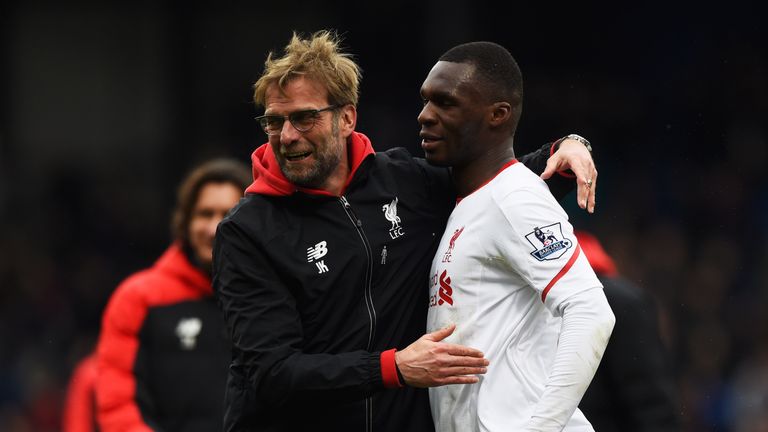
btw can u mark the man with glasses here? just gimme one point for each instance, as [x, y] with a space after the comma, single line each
[321, 268]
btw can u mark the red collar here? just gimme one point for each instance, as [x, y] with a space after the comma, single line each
[269, 180]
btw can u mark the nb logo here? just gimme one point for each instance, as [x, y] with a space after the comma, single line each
[315, 253]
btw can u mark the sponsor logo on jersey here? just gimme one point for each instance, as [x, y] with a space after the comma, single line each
[445, 293]
[314, 253]
[452, 244]
[187, 330]
[390, 212]
[548, 242]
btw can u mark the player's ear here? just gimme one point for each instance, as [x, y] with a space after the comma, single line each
[500, 113]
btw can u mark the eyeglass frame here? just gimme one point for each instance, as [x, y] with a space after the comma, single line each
[313, 112]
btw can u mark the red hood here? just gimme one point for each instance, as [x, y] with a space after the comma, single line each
[175, 263]
[269, 180]
[601, 262]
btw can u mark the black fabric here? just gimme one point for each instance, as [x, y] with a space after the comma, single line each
[633, 389]
[536, 161]
[174, 382]
[307, 341]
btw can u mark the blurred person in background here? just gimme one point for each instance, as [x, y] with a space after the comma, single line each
[320, 269]
[163, 351]
[633, 389]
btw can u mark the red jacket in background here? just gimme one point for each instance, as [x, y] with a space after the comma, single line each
[80, 404]
[163, 353]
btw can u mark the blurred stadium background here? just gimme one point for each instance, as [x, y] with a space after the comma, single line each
[105, 105]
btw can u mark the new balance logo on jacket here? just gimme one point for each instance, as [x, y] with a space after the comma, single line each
[316, 252]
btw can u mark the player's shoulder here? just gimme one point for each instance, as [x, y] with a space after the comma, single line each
[524, 197]
[518, 182]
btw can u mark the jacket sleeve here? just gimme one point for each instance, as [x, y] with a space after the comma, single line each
[79, 406]
[536, 161]
[117, 384]
[269, 367]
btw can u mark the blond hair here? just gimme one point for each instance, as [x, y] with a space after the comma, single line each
[318, 58]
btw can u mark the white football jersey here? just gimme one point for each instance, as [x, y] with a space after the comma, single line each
[506, 261]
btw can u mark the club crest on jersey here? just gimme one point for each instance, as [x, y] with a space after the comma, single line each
[548, 242]
[452, 244]
[187, 331]
[390, 212]
[314, 253]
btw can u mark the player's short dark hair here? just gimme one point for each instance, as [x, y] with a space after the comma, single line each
[497, 74]
[223, 170]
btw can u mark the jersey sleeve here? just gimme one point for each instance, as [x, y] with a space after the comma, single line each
[539, 244]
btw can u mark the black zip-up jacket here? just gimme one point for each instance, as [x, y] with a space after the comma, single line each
[315, 287]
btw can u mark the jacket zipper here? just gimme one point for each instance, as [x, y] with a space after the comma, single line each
[358, 224]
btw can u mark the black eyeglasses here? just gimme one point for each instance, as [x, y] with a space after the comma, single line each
[302, 121]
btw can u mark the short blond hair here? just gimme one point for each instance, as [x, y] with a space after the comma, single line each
[318, 58]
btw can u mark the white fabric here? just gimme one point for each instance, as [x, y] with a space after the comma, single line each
[488, 277]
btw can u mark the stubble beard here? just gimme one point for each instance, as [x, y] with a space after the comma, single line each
[327, 159]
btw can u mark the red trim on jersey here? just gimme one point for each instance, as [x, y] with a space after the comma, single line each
[389, 369]
[505, 166]
[561, 273]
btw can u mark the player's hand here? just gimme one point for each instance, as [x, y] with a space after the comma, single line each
[574, 155]
[428, 362]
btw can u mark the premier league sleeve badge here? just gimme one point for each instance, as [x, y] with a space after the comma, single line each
[548, 242]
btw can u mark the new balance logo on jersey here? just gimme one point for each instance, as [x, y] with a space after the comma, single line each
[316, 252]
[390, 212]
[187, 330]
[445, 293]
[548, 242]
[452, 244]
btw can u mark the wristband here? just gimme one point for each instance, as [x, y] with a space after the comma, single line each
[390, 375]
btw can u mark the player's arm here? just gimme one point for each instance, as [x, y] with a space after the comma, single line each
[564, 281]
[123, 404]
[586, 327]
[562, 161]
